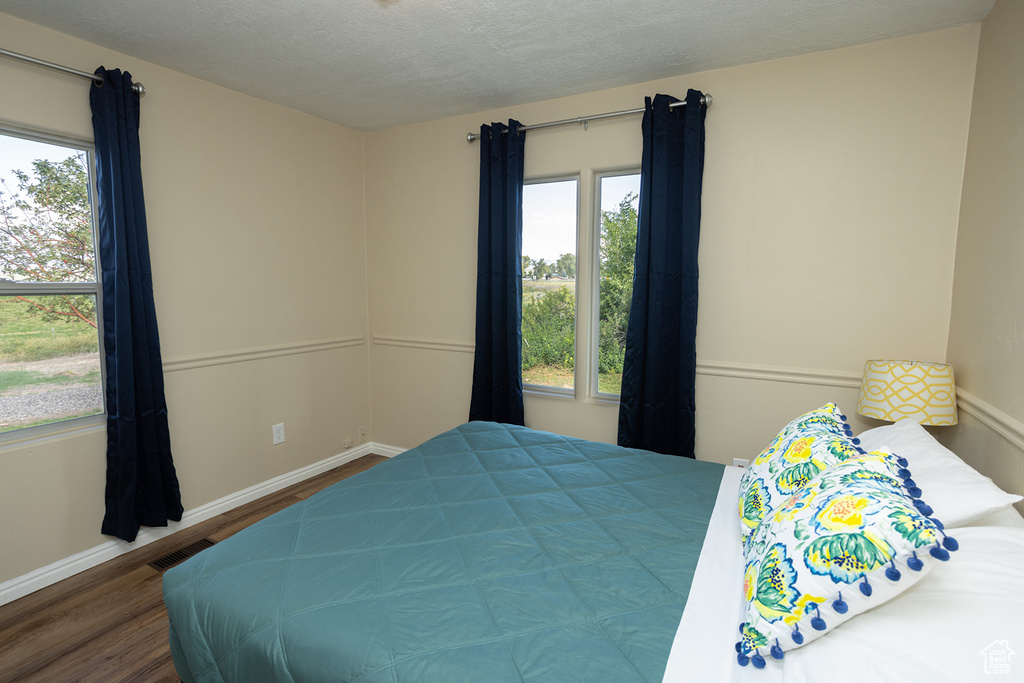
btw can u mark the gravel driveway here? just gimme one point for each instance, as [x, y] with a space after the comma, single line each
[54, 403]
[33, 402]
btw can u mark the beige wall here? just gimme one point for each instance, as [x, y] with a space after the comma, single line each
[831, 195]
[256, 235]
[831, 198]
[986, 334]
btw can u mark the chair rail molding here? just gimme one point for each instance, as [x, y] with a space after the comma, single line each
[771, 373]
[203, 360]
[423, 343]
[1006, 426]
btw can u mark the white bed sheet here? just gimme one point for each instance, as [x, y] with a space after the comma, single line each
[1005, 517]
[704, 646]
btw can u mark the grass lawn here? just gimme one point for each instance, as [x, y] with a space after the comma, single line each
[609, 383]
[547, 285]
[548, 376]
[26, 337]
[533, 289]
[10, 379]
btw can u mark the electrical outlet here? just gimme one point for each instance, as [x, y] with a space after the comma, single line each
[346, 444]
[740, 462]
[278, 433]
[362, 434]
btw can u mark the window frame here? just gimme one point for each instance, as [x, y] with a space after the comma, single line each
[594, 393]
[540, 389]
[74, 288]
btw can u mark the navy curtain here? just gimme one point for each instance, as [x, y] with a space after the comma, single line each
[142, 487]
[656, 409]
[497, 364]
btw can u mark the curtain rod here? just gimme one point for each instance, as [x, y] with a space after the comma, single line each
[583, 120]
[137, 87]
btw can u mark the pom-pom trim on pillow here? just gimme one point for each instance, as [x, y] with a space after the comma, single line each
[854, 537]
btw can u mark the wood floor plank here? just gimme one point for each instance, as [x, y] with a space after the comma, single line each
[78, 619]
[119, 654]
[233, 525]
[109, 624]
[305, 490]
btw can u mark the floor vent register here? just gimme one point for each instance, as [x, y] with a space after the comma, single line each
[180, 555]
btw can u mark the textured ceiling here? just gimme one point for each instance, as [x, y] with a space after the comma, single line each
[373, 64]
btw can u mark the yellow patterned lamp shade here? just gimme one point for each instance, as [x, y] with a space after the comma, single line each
[897, 389]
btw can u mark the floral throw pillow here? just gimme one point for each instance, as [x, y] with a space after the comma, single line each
[806, 446]
[854, 537]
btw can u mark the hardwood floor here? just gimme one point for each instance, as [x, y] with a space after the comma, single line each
[109, 623]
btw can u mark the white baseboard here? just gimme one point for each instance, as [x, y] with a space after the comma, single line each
[387, 451]
[69, 566]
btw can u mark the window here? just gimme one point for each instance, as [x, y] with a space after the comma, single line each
[550, 210]
[618, 199]
[50, 363]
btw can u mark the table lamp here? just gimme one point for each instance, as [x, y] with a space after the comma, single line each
[897, 389]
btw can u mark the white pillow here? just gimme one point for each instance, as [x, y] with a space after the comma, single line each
[957, 493]
[953, 625]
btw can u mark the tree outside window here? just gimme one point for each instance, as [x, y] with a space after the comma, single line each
[619, 199]
[50, 368]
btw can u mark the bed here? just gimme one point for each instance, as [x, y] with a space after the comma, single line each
[498, 553]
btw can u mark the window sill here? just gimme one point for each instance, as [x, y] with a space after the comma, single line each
[55, 430]
[548, 392]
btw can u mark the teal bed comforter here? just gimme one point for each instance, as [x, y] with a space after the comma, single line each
[489, 553]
